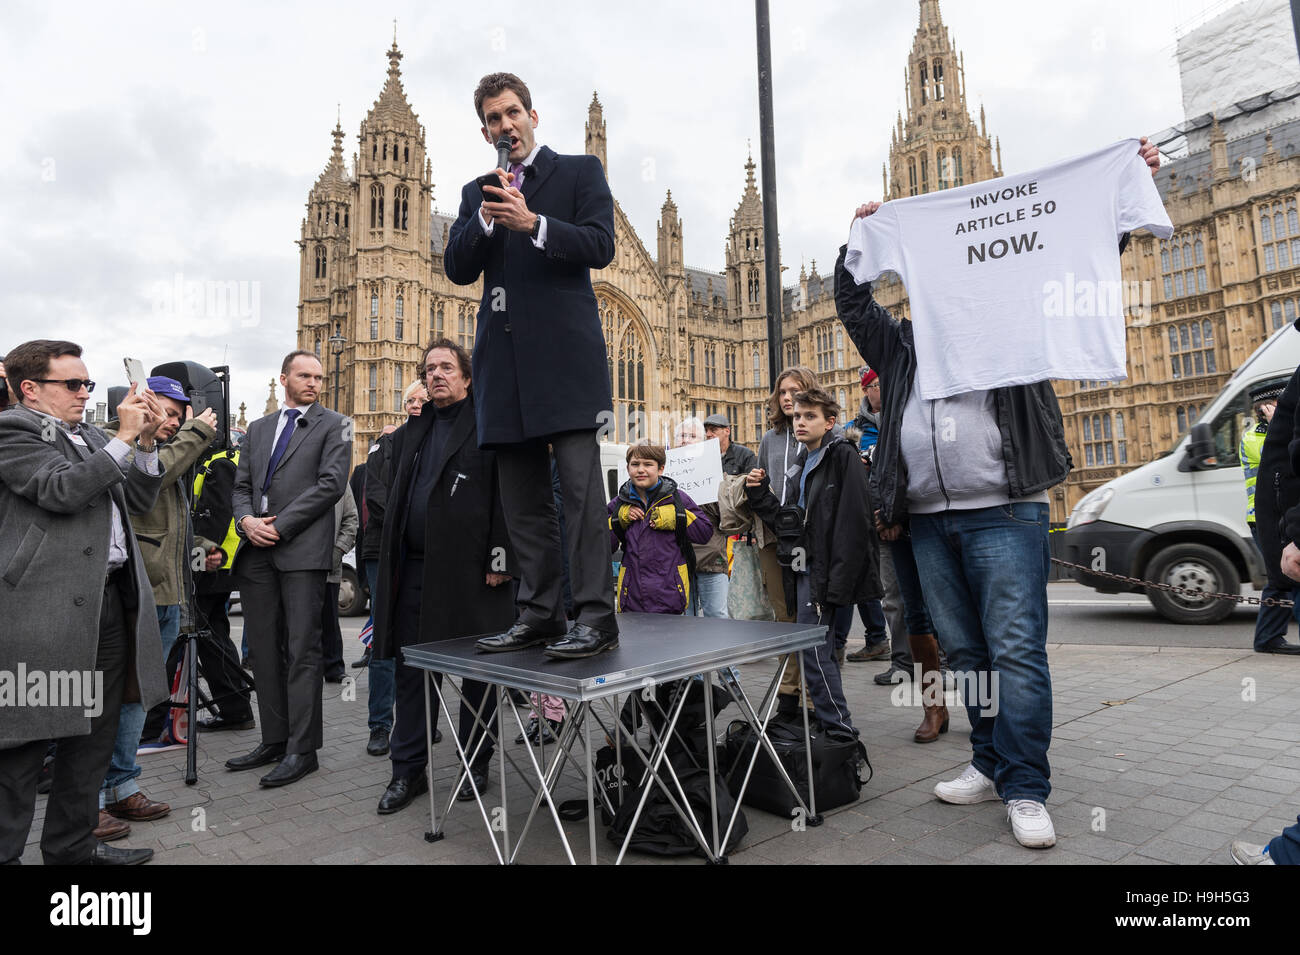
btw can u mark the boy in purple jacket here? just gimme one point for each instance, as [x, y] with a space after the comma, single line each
[656, 524]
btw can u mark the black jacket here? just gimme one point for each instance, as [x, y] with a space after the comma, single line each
[466, 533]
[1277, 487]
[840, 550]
[1029, 417]
[379, 475]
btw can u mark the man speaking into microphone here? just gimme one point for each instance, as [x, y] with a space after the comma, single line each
[539, 365]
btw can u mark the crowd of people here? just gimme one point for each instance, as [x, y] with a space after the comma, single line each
[910, 511]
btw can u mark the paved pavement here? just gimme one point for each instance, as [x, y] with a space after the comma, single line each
[1162, 752]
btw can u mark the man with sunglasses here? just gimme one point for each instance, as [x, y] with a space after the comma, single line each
[77, 609]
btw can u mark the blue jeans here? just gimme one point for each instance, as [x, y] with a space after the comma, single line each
[872, 613]
[123, 770]
[1272, 622]
[1285, 849]
[710, 597]
[383, 673]
[909, 586]
[985, 574]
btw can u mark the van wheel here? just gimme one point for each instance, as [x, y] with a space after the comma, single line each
[352, 596]
[1195, 567]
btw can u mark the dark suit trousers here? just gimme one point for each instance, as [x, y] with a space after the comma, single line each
[220, 662]
[408, 743]
[72, 812]
[526, 496]
[282, 612]
[331, 633]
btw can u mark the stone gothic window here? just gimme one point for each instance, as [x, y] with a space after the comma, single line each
[938, 81]
[956, 164]
[755, 286]
[401, 196]
[318, 346]
[691, 361]
[376, 206]
[626, 354]
[399, 311]
[925, 82]
[436, 322]
[374, 304]
[321, 262]
[374, 150]
[941, 168]
[757, 372]
[406, 154]
[911, 176]
[925, 172]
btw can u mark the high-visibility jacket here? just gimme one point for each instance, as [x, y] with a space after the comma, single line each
[1252, 442]
[202, 509]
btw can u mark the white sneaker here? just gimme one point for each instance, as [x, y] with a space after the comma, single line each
[1246, 853]
[971, 786]
[1031, 824]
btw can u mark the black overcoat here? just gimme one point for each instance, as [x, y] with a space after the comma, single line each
[540, 363]
[465, 538]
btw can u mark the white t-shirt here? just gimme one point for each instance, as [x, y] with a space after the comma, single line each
[1017, 279]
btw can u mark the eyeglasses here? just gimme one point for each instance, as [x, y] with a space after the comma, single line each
[72, 384]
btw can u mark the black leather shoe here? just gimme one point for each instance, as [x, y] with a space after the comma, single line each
[518, 637]
[363, 662]
[890, 677]
[335, 677]
[292, 768]
[261, 756]
[466, 793]
[1281, 646]
[539, 732]
[378, 744]
[213, 724]
[401, 792]
[112, 855]
[583, 641]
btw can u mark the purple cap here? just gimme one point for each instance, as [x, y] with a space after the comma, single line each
[168, 388]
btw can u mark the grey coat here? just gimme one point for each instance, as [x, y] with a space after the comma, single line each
[308, 482]
[346, 522]
[55, 522]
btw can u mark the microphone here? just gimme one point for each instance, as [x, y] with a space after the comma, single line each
[503, 153]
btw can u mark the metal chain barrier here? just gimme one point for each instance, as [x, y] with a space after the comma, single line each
[1181, 591]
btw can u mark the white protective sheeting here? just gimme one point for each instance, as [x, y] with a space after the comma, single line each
[1248, 49]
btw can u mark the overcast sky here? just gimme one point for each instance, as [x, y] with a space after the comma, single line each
[146, 142]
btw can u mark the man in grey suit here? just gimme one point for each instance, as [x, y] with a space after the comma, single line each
[293, 469]
[76, 607]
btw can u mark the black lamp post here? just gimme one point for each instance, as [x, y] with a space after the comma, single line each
[337, 341]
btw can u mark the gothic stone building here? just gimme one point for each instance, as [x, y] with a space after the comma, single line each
[680, 341]
[685, 341]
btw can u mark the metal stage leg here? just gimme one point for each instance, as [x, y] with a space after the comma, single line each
[591, 791]
[501, 751]
[573, 718]
[760, 727]
[710, 743]
[658, 756]
[813, 818]
[436, 832]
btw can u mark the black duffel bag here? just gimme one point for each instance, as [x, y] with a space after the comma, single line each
[660, 831]
[836, 760]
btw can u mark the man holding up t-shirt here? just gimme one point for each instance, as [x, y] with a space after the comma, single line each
[968, 471]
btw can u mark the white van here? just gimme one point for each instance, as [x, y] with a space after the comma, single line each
[613, 466]
[1181, 519]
